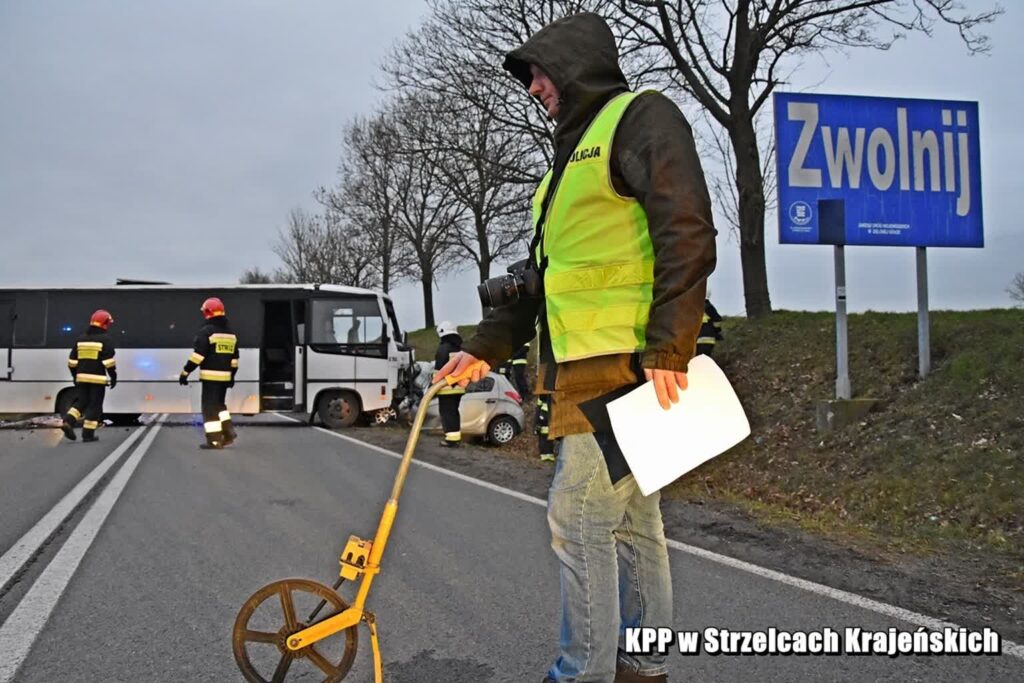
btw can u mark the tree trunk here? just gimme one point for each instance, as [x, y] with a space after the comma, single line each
[485, 248]
[427, 280]
[750, 190]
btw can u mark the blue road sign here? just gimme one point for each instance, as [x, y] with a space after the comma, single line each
[878, 171]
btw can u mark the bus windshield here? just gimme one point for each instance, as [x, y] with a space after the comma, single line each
[349, 322]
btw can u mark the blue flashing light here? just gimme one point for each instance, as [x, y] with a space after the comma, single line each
[66, 328]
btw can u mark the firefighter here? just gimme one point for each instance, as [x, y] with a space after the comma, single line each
[215, 353]
[544, 443]
[514, 369]
[710, 329]
[449, 398]
[91, 362]
[519, 371]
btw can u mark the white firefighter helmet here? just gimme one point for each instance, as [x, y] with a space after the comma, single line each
[446, 327]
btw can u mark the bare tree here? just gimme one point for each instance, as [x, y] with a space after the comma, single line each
[365, 194]
[427, 216]
[457, 54]
[323, 249]
[474, 158]
[1016, 288]
[730, 55]
[257, 276]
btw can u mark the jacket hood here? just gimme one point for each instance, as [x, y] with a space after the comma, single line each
[579, 55]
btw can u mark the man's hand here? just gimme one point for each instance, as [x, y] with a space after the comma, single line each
[183, 379]
[113, 381]
[665, 383]
[458, 364]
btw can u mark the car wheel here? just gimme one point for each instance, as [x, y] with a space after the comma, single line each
[339, 409]
[383, 416]
[502, 430]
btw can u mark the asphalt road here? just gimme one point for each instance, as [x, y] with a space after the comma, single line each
[143, 579]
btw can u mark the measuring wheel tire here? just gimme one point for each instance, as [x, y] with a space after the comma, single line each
[339, 409]
[268, 646]
[502, 430]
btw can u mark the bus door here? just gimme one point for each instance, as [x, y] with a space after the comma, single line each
[7, 318]
[299, 317]
[277, 357]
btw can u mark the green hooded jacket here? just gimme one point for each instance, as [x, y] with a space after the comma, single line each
[654, 159]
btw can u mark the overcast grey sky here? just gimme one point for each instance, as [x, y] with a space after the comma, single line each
[169, 139]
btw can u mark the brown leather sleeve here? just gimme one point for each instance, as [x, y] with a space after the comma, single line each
[503, 331]
[654, 159]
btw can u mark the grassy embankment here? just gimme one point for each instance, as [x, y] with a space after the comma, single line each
[938, 465]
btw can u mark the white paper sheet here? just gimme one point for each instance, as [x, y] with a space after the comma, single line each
[663, 445]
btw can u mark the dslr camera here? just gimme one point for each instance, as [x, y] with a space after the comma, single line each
[524, 281]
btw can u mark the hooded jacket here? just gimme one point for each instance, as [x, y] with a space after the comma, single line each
[653, 159]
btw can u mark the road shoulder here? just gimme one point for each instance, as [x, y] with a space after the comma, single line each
[943, 587]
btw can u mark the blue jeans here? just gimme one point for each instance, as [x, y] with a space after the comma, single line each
[610, 542]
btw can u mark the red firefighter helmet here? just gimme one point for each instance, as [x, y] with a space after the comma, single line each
[212, 307]
[101, 319]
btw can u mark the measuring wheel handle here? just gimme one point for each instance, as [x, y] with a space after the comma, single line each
[300, 639]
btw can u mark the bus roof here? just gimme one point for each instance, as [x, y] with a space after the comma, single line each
[341, 289]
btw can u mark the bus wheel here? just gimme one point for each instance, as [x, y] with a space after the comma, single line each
[339, 409]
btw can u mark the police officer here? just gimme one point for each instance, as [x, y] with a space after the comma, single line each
[624, 243]
[449, 398]
[215, 353]
[710, 329]
[91, 362]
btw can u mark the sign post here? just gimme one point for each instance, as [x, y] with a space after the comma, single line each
[924, 351]
[843, 389]
[878, 171]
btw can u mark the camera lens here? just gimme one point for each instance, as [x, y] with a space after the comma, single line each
[498, 291]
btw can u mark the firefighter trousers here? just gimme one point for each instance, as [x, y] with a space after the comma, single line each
[544, 443]
[451, 421]
[87, 407]
[216, 418]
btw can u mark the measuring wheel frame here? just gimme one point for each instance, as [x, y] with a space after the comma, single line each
[283, 592]
[360, 561]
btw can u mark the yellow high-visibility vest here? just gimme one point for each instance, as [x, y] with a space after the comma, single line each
[600, 260]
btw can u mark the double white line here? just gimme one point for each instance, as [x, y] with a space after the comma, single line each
[22, 627]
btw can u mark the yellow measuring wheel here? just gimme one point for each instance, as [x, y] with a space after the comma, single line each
[265, 654]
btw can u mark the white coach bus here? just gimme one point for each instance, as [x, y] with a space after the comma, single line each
[322, 350]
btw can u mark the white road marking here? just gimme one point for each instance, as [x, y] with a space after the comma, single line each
[26, 622]
[1009, 647]
[28, 545]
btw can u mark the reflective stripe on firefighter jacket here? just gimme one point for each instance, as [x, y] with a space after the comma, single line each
[92, 357]
[707, 331]
[214, 352]
[600, 260]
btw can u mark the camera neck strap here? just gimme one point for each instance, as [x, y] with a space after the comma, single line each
[538, 234]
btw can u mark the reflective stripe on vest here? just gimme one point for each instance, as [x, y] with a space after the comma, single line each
[600, 259]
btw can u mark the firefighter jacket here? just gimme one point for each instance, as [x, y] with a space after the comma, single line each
[214, 352]
[449, 346]
[711, 326]
[92, 357]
